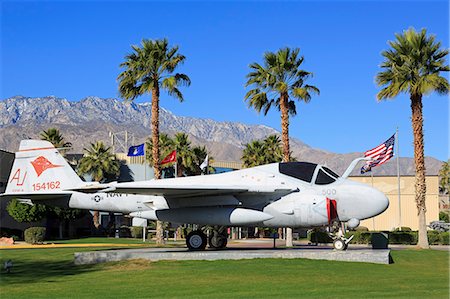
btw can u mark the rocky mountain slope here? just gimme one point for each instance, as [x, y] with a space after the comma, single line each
[92, 119]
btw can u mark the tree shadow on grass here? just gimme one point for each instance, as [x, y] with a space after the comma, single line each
[28, 271]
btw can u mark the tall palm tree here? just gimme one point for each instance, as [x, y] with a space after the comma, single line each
[278, 82]
[444, 178]
[101, 163]
[184, 153]
[56, 138]
[149, 69]
[413, 65]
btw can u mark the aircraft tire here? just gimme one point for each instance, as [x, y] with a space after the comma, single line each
[218, 241]
[339, 244]
[196, 240]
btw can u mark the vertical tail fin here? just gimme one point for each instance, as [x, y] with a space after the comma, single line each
[39, 167]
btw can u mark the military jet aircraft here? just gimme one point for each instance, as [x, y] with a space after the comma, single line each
[292, 194]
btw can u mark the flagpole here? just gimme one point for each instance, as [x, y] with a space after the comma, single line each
[373, 218]
[398, 182]
[145, 162]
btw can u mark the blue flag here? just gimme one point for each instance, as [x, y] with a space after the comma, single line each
[137, 150]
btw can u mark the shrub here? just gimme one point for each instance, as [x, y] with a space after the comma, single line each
[136, 232]
[403, 229]
[35, 235]
[433, 237]
[361, 229]
[444, 238]
[402, 237]
[319, 237]
[124, 232]
[444, 216]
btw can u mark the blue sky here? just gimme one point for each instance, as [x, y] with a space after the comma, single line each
[73, 50]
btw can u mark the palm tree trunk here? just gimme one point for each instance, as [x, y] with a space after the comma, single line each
[155, 153]
[155, 132]
[285, 126]
[286, 150]
[419, 159]
[96, 219]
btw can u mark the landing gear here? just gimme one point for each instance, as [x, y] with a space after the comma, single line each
[196, 240]
[337, 233]
[339, 244]
[218, 237]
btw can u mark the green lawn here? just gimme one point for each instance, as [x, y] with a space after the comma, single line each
[50, 273]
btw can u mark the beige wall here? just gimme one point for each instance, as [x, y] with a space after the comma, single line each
[390, 218]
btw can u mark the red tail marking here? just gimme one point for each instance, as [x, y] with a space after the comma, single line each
[41, 164]
[16, 177]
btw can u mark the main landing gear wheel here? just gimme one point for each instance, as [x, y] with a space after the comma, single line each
[217, 241]
[339, 244]
[196, 240]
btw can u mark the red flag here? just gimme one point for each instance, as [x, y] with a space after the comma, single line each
[172, 157]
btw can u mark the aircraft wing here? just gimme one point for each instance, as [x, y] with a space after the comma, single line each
[178, 191]
[170, 191]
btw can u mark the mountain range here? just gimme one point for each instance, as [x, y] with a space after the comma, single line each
[93, 118]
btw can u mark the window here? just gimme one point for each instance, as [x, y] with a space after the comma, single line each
[330, 172]
[300, 170]
[323, 178]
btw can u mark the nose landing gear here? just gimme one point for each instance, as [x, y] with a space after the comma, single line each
[337, 233]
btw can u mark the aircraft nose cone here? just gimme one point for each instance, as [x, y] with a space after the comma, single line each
[379, 201]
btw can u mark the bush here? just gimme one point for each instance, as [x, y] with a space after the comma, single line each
[361, 229]
[319, 237]
[444, 238]
[124, 231]
[136, 232]
[444, 216]
[403, 229]
[402, 237]
[35, 235]
[433, 237]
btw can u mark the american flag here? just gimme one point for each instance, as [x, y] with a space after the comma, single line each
[380, 154]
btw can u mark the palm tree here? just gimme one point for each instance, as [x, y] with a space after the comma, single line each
[199, 154]
[413, 65]
[55, 137]
[278, 82]
[254, 154]
[101, 163]
[274, 149]
[444, 178]
[148, 69]
[184, 153]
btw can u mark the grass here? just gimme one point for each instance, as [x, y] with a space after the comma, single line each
[45, 273]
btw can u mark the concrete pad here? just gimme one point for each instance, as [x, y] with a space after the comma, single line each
[179, 254]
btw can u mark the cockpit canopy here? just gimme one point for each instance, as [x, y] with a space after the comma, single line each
[305, 171]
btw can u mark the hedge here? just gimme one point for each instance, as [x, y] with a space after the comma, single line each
[396, 237]
[35, 235]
